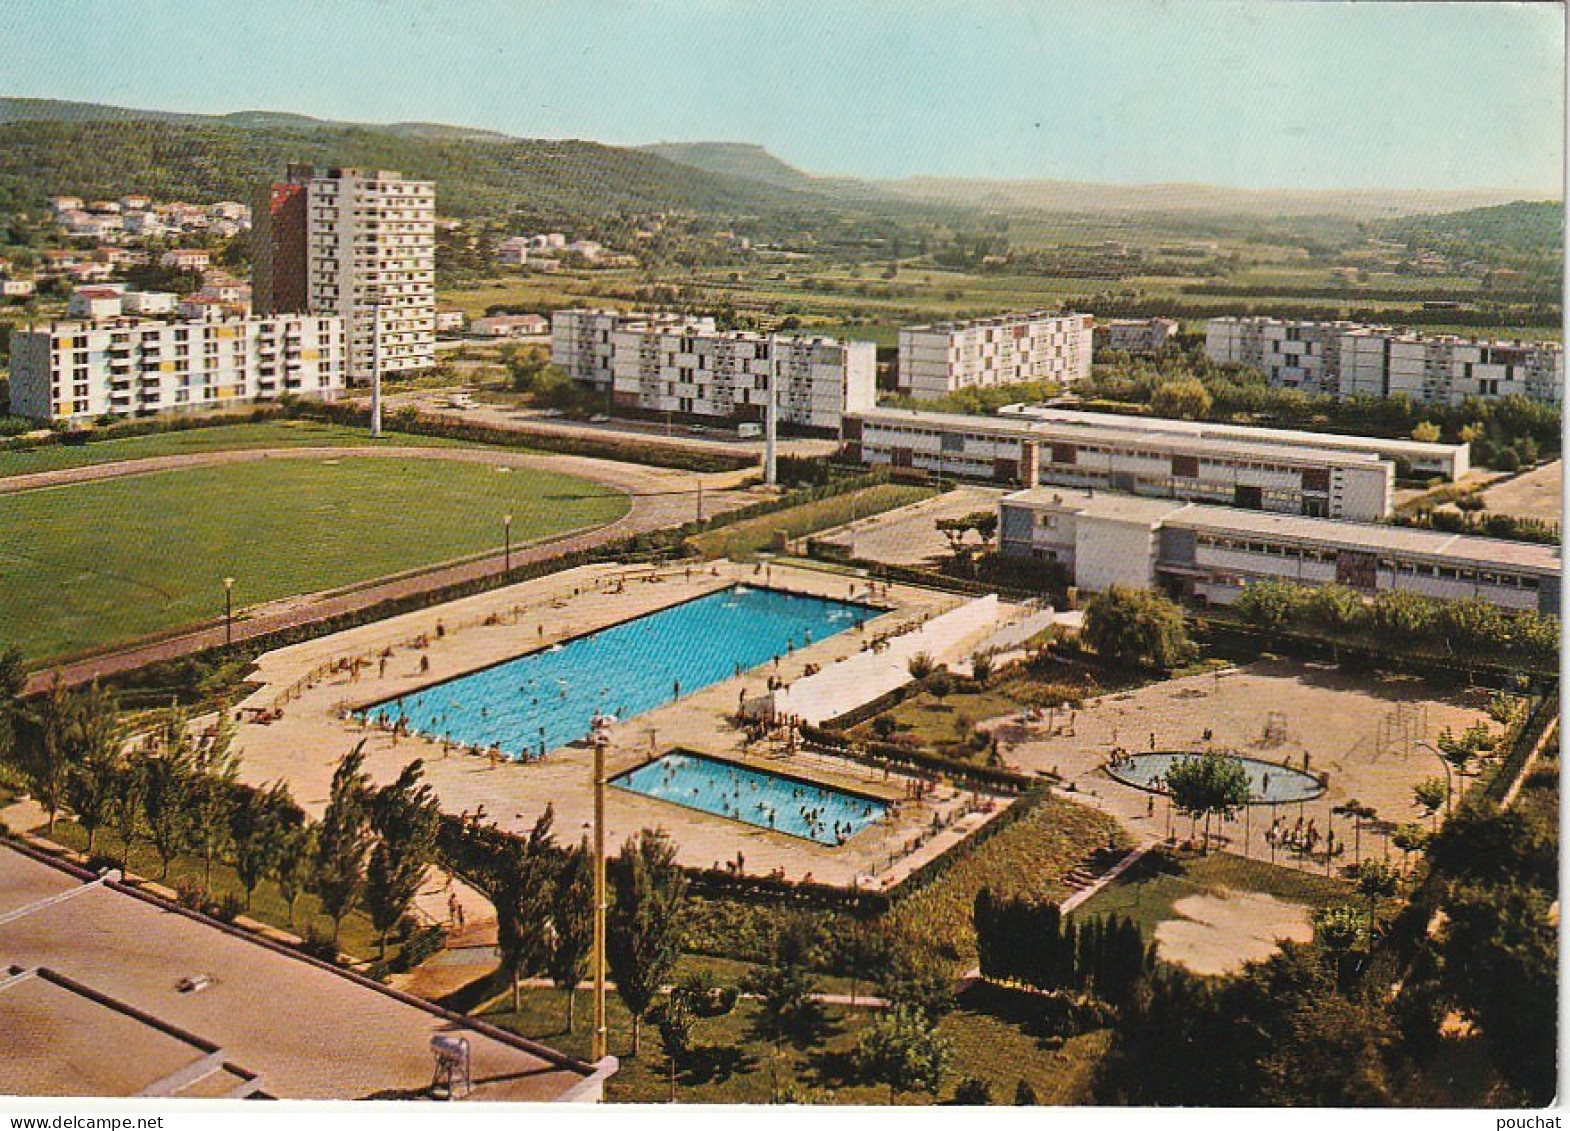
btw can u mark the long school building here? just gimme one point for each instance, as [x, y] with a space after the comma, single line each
[1015, 450]
[83, 370]
[1452, 461]
[1214, 553]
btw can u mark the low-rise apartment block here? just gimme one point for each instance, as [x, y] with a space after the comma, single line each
[945, 357]
[77, 371]
[581, 339]
[1257, 476]
[1136, 335]
[727, 374]
[1345, 359]
[1213, 553]
[1452, 461]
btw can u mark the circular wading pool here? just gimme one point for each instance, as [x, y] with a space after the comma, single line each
[1268, 782]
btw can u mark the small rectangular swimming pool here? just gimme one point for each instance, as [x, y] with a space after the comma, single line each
[547, 698]
[756, 797]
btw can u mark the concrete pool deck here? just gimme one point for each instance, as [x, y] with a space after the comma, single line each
[1364, 730]
[309, 730]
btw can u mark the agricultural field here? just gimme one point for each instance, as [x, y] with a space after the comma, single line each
[118, 559]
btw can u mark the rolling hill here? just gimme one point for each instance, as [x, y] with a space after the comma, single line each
[90, 152]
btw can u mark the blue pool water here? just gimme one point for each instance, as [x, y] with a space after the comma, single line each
[757, 797]
[1268, 782]
[549, 697]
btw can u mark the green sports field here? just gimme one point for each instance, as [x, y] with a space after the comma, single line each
[98, 563]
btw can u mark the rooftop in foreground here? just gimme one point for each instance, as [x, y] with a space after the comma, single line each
[90, 973]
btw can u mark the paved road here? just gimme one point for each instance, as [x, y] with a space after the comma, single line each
[662, 498]
[432, 402]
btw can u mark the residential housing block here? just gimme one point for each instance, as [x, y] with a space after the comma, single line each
[944, 357]
[1345, 359]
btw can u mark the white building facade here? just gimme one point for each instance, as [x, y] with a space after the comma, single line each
[581, 339]
[76, 371]
[1452, 461]
[1257, 476]
[1214, 553]
[1346, 359]
[727, 374]
[945, 357]
[371, 255]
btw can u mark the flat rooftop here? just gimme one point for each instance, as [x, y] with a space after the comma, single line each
[301, 1029]
[1076, 432]
[1245, 432]
[1330, 533]
[993, 320]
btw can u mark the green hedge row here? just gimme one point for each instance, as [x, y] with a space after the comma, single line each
[886, 753]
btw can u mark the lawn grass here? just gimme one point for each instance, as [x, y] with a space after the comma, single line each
[220, 437]
[98, 563]
[1147, 891]
[1028, 858]
[935, 723]
[356, 938]
[744, 539]
[731, 1061]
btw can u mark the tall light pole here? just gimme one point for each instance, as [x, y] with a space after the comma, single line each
[598, 1043]
[228, 611]
[374, 298]
[700, 498]
[771, 415]
[507, 530]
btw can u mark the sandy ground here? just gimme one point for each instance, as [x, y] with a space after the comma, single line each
[1537, 494]
[1216, 933]
[908, 536]
[1365, 731]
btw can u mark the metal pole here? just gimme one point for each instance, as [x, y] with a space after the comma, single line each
[228, 610]
[598, 1051]
[770, 417]
[700, 498]
[376, 365]
[507, 527]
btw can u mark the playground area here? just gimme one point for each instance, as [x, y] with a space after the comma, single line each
[310, 710]
[1535, 494]
[1365, 737]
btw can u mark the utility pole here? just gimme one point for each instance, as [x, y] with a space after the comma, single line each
[598, 1050]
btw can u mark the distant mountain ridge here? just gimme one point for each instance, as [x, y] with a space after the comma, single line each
[481, 168]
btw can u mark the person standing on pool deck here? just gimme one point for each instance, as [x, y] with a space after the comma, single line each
[676, 689]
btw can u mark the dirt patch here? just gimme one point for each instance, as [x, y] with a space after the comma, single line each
[1221, 930]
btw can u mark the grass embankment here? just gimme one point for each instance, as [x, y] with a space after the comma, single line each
[744, 539]
[99, 563]
[220, 437]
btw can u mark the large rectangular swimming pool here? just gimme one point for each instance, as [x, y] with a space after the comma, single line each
[767, 800]
[547, 698]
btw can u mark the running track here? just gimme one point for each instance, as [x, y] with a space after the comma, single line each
[661, 498]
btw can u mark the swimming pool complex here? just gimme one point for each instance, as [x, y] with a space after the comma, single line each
[1268, 782]
[757, 797]
[547, 698]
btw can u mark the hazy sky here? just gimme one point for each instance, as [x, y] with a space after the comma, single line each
[1257, 94]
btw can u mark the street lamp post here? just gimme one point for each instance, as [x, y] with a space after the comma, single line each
[600, 897]
[228, 610]
[507, 532]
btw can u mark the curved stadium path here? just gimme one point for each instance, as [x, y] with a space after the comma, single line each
[661, 498]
